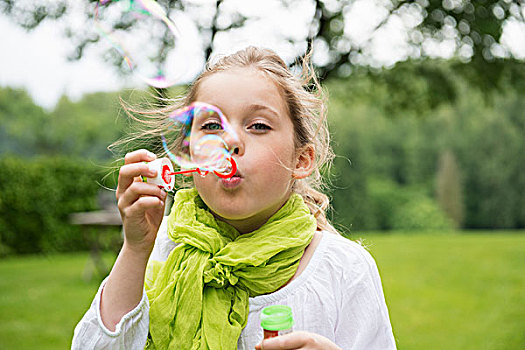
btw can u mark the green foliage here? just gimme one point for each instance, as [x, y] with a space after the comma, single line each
[384, 152]
[386, 198]
[85, 128]
[449, 189]
[403, 149]
[52, 163]
[415, 86]
[22, 123]
[490, 147]
[407, 208]
[349, 199]
[36, 198]
[81, 129]
[473, 28]
[420, 214]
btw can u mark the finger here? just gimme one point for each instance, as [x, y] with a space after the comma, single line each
[138, 156]
[141, 155]
[128, 174]
[137, 190]
[295, 340]
[142, 205]
[156, 215]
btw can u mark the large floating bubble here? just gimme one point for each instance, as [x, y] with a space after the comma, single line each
[200, 137]
[137, 29]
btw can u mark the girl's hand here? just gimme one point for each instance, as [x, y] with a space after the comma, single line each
[141, 204]
[297, 340]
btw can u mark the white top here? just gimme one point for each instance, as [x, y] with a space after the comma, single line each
[338, 295]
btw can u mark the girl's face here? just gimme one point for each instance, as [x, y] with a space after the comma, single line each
[265, 152]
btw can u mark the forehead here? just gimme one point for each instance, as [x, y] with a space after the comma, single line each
[236, 88]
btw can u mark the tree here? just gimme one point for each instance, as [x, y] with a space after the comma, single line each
[472, 29]
[22, 123]
[448, 188]
[80, 129]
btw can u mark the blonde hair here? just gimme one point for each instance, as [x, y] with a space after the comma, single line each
[306, 103]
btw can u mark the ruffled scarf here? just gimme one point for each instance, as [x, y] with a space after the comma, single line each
[199, 295]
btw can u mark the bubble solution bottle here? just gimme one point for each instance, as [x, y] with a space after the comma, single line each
[276, 320]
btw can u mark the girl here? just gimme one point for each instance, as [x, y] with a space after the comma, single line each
[200, 278]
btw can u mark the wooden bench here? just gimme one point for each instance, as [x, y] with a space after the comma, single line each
[106, 218]
[99, 219]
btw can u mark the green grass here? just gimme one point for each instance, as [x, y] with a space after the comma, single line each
[453, 291]
[444, 291]
[42, 298]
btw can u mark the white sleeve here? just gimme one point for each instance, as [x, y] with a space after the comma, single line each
[363, 321]
[132, 330]
[130, 333]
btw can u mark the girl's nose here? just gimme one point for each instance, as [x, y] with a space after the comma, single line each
[235, 145]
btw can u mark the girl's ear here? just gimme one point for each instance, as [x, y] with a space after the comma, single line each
[305, 163]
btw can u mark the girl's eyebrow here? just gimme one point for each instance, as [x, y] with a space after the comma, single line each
[256, 107]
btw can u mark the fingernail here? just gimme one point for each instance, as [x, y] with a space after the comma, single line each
[151, 155]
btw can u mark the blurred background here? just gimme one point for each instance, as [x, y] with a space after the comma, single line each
[427, 113]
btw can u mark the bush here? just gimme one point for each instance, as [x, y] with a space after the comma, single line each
[386, 198]
[398, 207]
[421, 214]
[36, 198]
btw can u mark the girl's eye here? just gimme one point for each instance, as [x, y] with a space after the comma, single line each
[212, 126]
[260, 127]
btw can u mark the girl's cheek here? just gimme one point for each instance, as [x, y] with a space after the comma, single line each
[199, 182]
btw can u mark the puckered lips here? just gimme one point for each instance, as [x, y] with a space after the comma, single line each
[232, 182]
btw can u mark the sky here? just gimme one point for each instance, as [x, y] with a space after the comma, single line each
[36, 60]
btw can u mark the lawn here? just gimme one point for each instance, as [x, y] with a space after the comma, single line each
[454, 291]
[444, 291]
[42, 298]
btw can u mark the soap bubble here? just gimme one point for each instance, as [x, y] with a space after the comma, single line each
[207, 145]
[137, 29]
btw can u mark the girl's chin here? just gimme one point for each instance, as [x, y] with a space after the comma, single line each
[231, 216]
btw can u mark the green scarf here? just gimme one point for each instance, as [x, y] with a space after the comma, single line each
[199, 295]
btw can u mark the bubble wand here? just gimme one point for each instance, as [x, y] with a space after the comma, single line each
[209, 153]
[165, 178]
